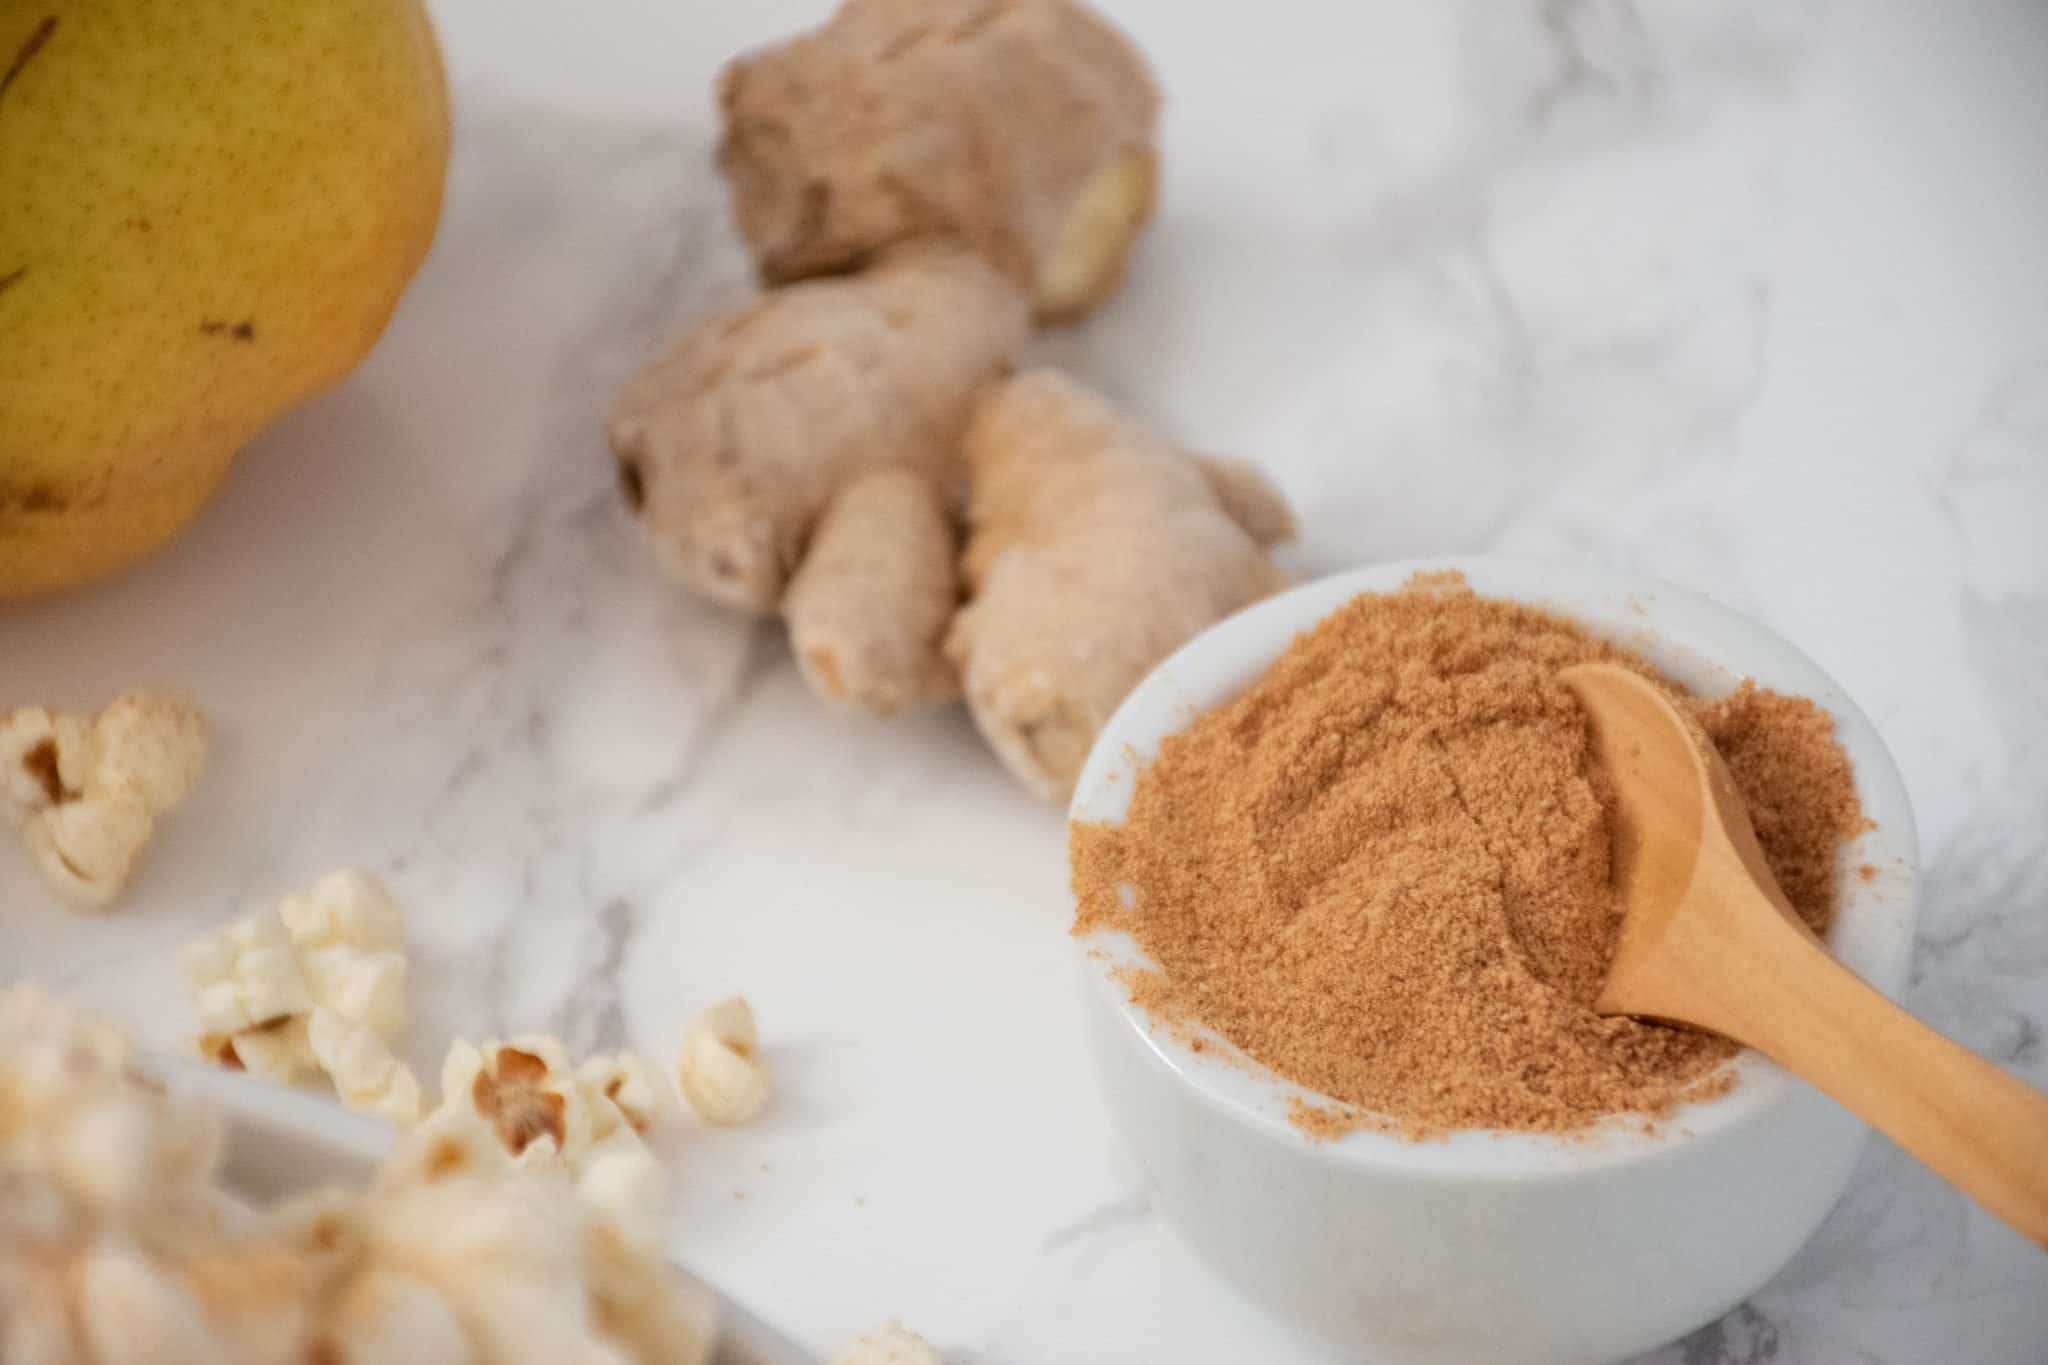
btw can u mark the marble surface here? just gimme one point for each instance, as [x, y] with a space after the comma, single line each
[1753, 297]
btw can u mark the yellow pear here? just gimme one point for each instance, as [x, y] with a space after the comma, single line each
[208, 209]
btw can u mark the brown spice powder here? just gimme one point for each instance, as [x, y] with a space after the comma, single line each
[1383, 870]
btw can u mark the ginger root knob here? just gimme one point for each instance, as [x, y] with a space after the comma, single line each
[732, 444]
[869, 609]
[1095, 549]
[1022, 128]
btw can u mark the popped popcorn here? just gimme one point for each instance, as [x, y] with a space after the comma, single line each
[655, 1314]
[85, 849]
[541, 1268]
[386, 1314]
[246, 976]
[890, 1344]
[131, 1308]
[366, 1076]
[504, 1254]
[55, 1053]
[76, 1114]
[318, 986]
[455, 1255]
[280, 1050]
[347, 906]
[526, 1092]
[148, 743]
[625, 1088]
[350, 943]
[451, 1140]
[721, 1076]
[88, 794]
[252, 998]
[519, 1104]
[44, 754]
[621, 1178]
[94, 1163]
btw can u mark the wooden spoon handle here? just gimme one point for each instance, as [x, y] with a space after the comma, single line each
[1984, 1130]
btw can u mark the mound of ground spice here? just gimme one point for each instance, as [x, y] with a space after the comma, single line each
[1383, 870]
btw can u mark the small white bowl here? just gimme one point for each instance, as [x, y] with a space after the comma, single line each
[1484, 1247]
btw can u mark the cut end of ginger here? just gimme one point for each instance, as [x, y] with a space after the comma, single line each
[1094, 245]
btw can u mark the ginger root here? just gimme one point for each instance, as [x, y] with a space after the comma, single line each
[1096, 548]
[869, 609]
[920, 181]
[731, 446]
[1023, 128]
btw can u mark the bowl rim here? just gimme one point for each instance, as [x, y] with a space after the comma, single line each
[1697, 640]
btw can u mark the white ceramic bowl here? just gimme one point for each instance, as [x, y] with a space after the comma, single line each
[1487, 1247]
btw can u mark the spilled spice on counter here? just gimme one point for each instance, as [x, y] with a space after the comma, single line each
[1383, 870]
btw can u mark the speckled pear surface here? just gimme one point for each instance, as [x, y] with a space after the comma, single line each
[209, 211]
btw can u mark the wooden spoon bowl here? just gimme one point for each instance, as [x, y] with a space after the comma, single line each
[1711, 942]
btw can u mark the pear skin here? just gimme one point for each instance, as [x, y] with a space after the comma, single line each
[208, 210]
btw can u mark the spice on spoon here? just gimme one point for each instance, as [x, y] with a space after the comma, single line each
[1383, 870]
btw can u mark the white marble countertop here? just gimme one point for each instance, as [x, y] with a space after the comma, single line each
[1755, 300]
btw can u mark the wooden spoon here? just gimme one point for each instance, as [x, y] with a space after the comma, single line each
[1710, 941]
